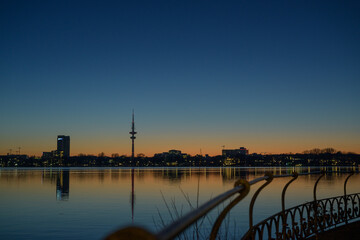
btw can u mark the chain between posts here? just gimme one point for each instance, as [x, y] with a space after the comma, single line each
[233, 203]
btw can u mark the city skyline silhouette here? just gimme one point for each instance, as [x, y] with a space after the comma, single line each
[272, 77]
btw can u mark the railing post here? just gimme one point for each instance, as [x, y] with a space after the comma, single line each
[222, 215]
[315, 206]
[251, 208]
[345, 197]
[295, 176]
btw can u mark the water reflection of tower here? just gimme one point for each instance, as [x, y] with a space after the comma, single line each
[132, 133]
[62, 185]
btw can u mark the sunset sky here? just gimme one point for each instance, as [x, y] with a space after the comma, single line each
[272, 76]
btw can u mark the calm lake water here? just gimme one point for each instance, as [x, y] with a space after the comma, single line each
[89, 203]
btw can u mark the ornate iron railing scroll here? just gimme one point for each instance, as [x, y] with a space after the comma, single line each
[295, 176]
[315, 205]
[345, 196]
[252, 203]
[298, 222]
[301, 219]
[306, 220]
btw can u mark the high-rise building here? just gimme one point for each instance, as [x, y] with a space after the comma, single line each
[63, 145]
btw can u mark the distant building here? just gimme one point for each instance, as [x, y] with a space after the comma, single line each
[63, 145]
[53, 154]
[172, 152]
[175, 152]
[13, 160]
[172, 158]
[231, 153]
[47, 155]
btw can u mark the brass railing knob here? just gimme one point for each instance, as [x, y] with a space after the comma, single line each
[131, 233]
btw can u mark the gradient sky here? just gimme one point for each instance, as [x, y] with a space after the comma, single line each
[272, 76]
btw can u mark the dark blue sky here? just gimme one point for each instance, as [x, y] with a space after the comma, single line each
[273, 76]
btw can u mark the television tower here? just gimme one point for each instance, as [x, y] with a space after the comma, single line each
[132, 133]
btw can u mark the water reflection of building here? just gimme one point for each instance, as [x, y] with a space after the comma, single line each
[62, 185]
[231, 174]
[172, 174]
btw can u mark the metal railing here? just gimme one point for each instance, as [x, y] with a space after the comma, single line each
[298, 222]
